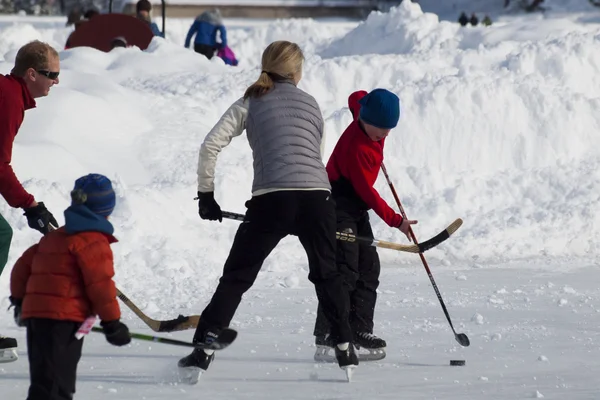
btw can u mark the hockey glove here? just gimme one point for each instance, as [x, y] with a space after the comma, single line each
[208, 208]
[17, 304]
[116, 332]
[39, 218]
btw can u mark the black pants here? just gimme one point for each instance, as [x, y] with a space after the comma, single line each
[53, 353]
[205, 50]
[360, 266]
[310, 215]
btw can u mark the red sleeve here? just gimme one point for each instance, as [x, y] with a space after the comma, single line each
[10, 187]
[363, 174]
[96, 263]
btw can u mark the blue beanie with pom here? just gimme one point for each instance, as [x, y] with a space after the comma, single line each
[95, 191]
[380, 108]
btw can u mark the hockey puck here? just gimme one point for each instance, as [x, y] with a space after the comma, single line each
[457, 362]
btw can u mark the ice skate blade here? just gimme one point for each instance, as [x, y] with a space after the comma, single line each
[8, 355]
[365, 354]
[189, 375]
[322, 354]
[349, 369]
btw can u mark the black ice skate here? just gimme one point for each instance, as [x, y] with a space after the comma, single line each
[8, 349]
[374, 346]
[346, 358]
[190, 367]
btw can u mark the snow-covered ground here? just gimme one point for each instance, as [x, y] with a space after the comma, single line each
[500, 126]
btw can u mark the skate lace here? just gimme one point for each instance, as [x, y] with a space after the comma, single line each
[368, 336]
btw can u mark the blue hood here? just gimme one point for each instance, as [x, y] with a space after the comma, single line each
[79, 218]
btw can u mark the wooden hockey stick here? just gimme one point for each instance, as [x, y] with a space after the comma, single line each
[408, 248]
[180, 323]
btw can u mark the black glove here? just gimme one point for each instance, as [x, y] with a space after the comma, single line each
[116, 332]
[39, 218]
[208, 208]
[17, 304]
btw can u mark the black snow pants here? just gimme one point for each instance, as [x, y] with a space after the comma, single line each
[309, 215]
[359, 263]
[53, 353]
[205, 50]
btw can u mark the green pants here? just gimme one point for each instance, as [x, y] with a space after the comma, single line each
[5, 238]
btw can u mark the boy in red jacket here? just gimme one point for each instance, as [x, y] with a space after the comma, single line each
[352, 169]
[59, 282]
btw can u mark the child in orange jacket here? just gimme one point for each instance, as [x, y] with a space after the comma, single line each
[352, 170]
[59, 282]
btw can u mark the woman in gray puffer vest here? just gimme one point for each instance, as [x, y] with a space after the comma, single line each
[290, 196]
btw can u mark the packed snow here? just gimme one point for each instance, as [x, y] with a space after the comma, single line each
[499, 127]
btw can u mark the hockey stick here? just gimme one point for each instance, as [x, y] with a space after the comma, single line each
[226, 337]
[151, 338]
[180, 323]
[461, 338]
[409, 248]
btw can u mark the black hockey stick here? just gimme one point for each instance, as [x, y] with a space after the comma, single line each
[461, 338]
[409, 248]
[226, 337]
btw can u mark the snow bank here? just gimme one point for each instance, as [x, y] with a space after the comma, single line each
[404, 29]
[407, 29]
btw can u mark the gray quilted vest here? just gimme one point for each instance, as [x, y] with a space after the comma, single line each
[285, 129]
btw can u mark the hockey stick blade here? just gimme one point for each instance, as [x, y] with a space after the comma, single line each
[225, 338]
[462, 339]
[180, 323]
[440, 237]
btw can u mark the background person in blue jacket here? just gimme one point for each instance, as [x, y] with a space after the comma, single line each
[205, 28]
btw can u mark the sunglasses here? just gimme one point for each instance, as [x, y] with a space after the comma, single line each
[49, 74]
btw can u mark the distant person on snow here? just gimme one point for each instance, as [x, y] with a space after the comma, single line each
[144, 12]
[36, 70]
[352, 170]
[487, 21]
[474, 20]
[61, 281]
[290, 196]
[463, 19]
[205, 27]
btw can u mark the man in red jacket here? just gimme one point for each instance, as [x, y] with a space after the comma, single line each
[352, 169]
[36, 70]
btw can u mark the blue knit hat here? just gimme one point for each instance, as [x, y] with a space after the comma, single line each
[96, 192]
[380, 108]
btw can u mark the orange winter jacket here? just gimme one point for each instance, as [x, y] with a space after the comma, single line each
[67, 277]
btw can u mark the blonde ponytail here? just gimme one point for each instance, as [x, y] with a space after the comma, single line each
[263, 84]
